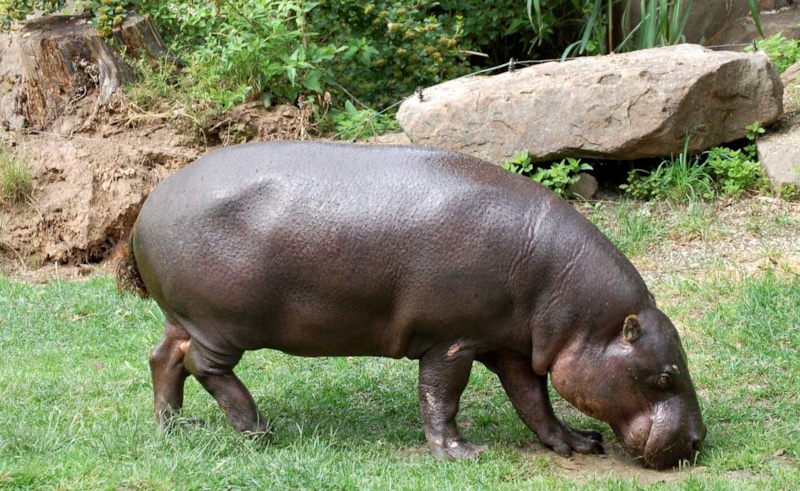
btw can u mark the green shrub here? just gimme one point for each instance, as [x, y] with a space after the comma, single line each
[18, 10]
[680, 178]
[790, 192]
[783, 52]
[557, 178]
[16, 185]
[354, 124]
[718, 171]
[520, 164]
[106, 14]
[391, 47]
[237, 51]
[733, 171]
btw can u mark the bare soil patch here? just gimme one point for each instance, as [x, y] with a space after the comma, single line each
[92, 171]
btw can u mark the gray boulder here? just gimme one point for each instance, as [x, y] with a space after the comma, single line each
[779, 154]
[779, 149]
[623, 106]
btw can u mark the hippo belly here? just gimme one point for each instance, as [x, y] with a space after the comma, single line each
[330, 250]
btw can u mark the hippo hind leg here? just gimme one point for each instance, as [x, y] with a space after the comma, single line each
[214, 371]
[169, 373]
[529, 396]
[443, 375]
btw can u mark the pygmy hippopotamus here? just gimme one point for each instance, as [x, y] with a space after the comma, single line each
[320, 249]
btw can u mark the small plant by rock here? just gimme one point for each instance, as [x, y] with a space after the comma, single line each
[783, 52]
[720, 171]
[558, 177]
[354, 124]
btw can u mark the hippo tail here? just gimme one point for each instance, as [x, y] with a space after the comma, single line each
[128, 277]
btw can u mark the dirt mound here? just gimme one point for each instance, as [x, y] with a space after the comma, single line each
[92, 171]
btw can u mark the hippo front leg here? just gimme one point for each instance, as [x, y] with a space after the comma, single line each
[529, 396]
[443, 375]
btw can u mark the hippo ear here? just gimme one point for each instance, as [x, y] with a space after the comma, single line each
[631, 329]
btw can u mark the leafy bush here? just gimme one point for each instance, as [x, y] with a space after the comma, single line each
[245, 50]
[790, 192]
[733, 171]
[499, 30]
[391, 47]
[783, 52]
[18, 10]
[106, 14]
[353, 124]
[558, 177]
[520, 164]
[718, 171]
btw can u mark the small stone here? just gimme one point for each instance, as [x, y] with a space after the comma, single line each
[585, 187]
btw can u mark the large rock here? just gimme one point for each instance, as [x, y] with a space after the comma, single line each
[779, 153]
[742, 30]
[710, 19]
[779, 149]
[624, 107]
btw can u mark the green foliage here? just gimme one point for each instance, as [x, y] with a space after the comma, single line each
[18, 10]
[783, 52]
[718, 171]
[391, 47]
[237, 51]
[553, 22]
[520, 163]
[790, 192]
[354, 124]
[558, 177]
[734, 171]
[108, 14]
[500, 29]
[16, 185]
[659, 23]
[680, 178]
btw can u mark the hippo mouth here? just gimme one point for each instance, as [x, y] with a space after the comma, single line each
[662, 441]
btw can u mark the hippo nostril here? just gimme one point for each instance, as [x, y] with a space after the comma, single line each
[697, 439]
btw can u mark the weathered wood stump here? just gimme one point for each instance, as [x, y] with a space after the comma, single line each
[64, 60]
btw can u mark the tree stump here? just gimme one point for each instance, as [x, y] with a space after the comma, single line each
[64, 60]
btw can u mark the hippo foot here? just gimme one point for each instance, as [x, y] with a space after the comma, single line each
[262, 435]
[455, 449]
[564, 440]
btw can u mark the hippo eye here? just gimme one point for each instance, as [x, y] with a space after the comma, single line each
[664, 380]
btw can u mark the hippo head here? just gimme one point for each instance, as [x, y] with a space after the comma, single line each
[638, 382]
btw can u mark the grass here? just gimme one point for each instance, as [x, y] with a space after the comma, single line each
[77, 401]
[16, 185]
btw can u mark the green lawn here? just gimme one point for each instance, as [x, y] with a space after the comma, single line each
[76, 402]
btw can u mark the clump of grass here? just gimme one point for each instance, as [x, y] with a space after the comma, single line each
[720, 171]
[16, 185]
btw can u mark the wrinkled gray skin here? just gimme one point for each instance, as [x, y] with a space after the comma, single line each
[332, 250]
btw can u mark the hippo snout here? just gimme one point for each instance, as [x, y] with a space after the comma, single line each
[674, 436]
